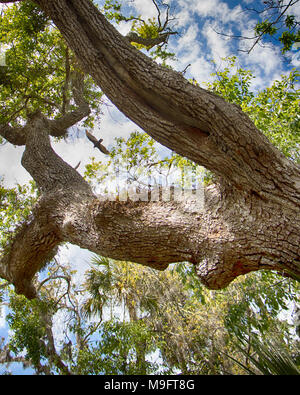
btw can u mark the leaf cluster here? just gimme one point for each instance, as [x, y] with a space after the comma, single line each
[287, 31]
[28, 329]
[15, 208]
[38, 68]
[275, 110]
[192, 328]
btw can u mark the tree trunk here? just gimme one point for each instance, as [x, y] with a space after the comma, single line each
[250, 221]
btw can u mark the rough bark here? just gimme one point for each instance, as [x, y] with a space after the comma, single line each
[250, 221]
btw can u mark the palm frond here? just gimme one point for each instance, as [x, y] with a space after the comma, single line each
[268, 357]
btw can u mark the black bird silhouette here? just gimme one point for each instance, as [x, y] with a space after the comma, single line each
[97, 143]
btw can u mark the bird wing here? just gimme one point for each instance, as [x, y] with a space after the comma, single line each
[91, 137]
[103, 149]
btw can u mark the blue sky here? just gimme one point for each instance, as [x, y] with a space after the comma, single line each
[198, 44]
[198, 23]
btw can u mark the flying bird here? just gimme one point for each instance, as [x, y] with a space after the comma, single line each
[97, 143]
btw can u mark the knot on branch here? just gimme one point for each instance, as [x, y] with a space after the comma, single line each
[217, 272]
[26, 288]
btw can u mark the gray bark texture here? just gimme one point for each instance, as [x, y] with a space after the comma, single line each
[250, 220]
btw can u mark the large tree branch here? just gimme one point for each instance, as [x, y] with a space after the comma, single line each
[15, 136]
[36, 239]
[229, 235]
[186, 118]
[220, 239]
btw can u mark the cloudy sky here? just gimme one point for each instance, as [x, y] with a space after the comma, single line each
[197, 44]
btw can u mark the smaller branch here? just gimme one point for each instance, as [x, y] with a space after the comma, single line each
[53, 355]
[280, 11]
[185, 69]
[54, 278]
[78, 164]
[149, 42]
[43, 99]
[168, 19]
[15, 136]
[59, 127]
[158, 12]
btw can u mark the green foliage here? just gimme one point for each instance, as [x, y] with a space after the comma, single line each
[257, 312]
[269, 358]
[151, 322]
[118, 350]
[15, 208]
[265, 27]
[233, 83]
[274, 110]
[278, 24]
[29, 330]
[38, 68]
[287, 37]
[192, 328]
[112, 11]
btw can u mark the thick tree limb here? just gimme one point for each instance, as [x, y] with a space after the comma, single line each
[37, 239]
[222, 244]
[232, 235]
[15, 136]
[192, 121]
[249, 222]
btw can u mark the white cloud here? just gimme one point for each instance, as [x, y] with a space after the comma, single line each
[145, 8]
[2, 316]
[294, 10]
[201, 70]
[206, 8]
[212, 9]
[219, 47]
[77, 258]
[201, 43]
[265, 63]
[123, 28]
[10, 165]
[187, 41]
